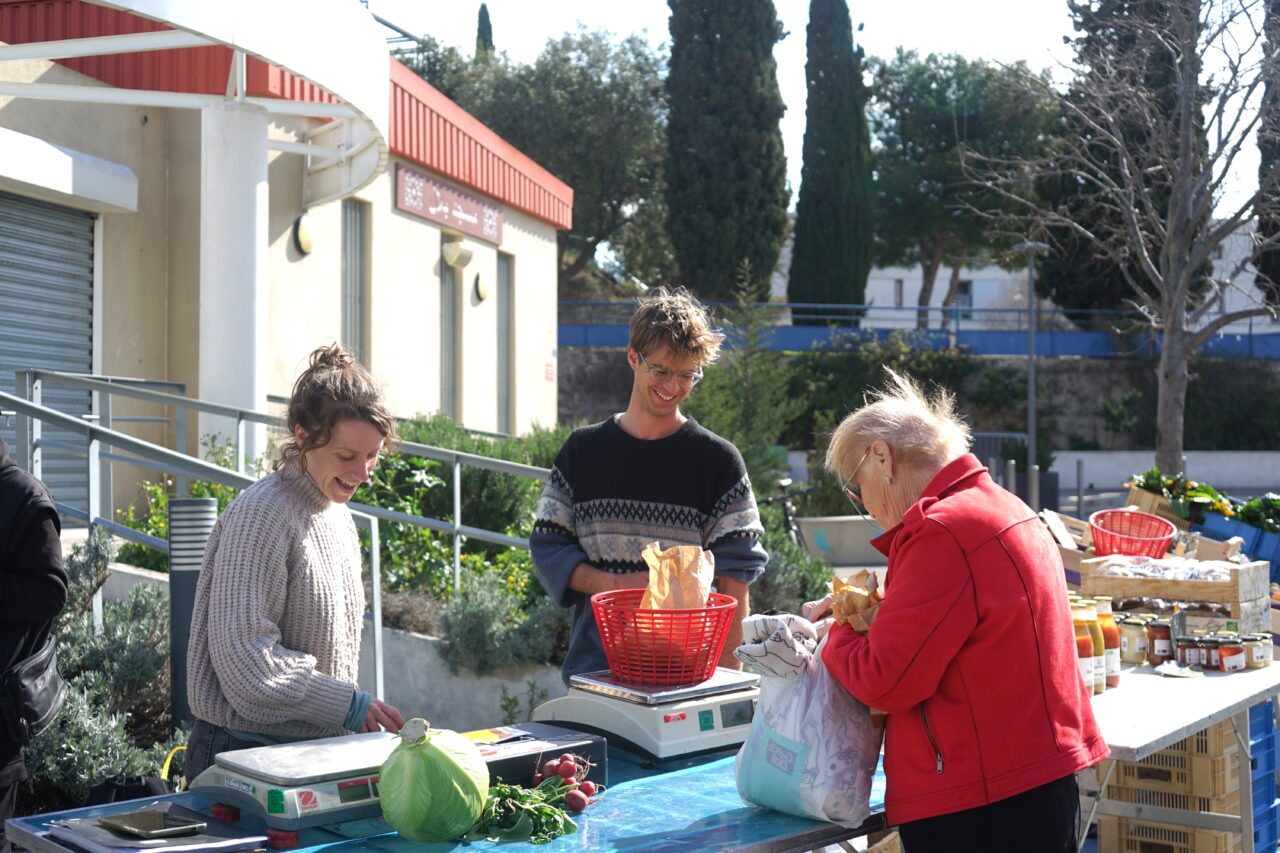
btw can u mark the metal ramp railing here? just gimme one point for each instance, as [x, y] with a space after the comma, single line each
[105, 446]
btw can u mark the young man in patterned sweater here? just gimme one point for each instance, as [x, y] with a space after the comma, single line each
[649, 474]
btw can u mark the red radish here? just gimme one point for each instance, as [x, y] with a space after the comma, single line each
[568, 756]
[588, 787]
[567, 769]
[576, 800]
[551, 768]
[537, 779]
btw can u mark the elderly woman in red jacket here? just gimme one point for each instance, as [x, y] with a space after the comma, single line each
[972, 652]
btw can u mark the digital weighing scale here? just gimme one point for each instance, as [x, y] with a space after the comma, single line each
[296, 785]
[335, 780]
[659, 721]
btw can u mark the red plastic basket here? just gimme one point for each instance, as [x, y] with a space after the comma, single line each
[1126, 531]
[661, 646]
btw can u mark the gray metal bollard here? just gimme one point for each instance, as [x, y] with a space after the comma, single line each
[190, 523]
[1011, 475]
[1080, 513]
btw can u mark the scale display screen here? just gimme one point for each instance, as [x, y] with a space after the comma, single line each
[353, 792]
[736, 713]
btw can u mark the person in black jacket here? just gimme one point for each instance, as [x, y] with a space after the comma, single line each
[33, 590]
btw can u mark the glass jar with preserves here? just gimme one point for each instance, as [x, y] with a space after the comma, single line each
[1133, 640]
[1110, 644]
[1188, 650]
[1099, 645]
[1209, 657]
[1258, 649]
[1084, 645]
[1232, 655]
[1159, 642]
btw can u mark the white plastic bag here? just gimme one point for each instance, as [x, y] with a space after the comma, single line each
[812, 748]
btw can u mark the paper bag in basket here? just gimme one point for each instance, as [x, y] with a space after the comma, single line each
[679, 577]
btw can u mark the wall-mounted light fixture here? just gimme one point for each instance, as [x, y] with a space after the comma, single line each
[482, 289]
[302, 234]
[455, 253]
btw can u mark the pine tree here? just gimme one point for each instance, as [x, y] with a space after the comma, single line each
[726, 171]
[746, 398]
[831, 255]
[484, 35]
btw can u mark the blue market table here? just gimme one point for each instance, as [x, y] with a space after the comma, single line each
[694, 808]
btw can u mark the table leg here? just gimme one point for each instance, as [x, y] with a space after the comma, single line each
[1093, 809]
[1240, 722]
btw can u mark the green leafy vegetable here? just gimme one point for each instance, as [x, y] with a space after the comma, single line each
[526, 814]
[433, 785]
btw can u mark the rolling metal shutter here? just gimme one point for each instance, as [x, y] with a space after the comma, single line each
[46, 319]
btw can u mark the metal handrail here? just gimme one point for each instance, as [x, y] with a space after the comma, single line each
[140, 452]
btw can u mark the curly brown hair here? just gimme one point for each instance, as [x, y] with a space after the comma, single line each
[674, 319]
[334, 387]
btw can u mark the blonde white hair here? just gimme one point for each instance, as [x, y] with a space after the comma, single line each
[923, 430]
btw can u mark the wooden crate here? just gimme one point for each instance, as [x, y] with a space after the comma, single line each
[1249, 585]
[1121, 835]
[1075, 543]
[1156, 505]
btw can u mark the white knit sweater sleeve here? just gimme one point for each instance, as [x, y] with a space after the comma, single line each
[264, 682]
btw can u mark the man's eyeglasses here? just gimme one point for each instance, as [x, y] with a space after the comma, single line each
[851, 491]
[662, 375]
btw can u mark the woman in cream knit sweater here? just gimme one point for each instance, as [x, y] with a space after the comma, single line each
[275, 633]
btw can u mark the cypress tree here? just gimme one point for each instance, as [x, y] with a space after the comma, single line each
[484, 34]
[831, 255]
[726, 171]
[1267, 277]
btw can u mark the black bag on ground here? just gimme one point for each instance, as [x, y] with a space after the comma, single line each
[32, 694]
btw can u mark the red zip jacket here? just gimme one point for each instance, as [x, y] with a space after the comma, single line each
[972, 653]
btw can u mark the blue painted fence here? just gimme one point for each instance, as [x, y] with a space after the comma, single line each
[604, 324]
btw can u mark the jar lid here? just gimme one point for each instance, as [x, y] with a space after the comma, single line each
[1211, 640]
[1231, 641]
[1185, 639]
[1159, 623]
[1133, 620]
[1259, 638]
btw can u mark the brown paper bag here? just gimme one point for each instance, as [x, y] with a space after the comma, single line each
[679, 577]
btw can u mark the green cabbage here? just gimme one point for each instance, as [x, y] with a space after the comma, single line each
[434, 784]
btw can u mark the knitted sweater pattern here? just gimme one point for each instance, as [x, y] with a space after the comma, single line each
[275, 632]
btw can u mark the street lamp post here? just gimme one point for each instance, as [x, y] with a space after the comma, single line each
[1031, 249]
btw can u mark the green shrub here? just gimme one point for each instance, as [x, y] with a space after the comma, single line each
[116, 719]
[837, 378]
[793, 575]
[492, 501]
[487, 626]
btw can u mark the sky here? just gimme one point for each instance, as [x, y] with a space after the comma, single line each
[1001, 30]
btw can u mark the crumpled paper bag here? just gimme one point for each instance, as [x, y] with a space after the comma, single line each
[679, 578]
[855, 602]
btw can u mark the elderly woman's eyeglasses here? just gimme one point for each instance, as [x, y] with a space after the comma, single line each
[850, 488]
[662, 375]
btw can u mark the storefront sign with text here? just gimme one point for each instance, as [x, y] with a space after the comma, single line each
[436, 201]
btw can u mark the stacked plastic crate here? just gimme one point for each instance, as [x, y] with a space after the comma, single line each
[1198, 774]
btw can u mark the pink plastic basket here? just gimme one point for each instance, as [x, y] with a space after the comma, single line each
[1126, 531]
[661, 646]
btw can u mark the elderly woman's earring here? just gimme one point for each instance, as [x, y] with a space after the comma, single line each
[888, 479]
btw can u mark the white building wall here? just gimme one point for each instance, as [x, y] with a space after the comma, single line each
[536, 373]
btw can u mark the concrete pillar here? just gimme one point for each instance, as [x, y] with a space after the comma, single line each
[233, 266]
